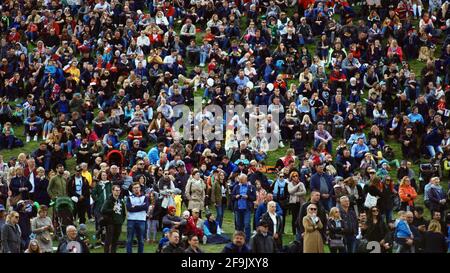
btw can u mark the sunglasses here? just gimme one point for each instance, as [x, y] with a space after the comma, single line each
[295, 175]
[312, 209]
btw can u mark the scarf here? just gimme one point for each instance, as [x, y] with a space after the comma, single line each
[280, 185]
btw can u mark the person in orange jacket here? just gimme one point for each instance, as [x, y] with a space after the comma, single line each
[407, 193]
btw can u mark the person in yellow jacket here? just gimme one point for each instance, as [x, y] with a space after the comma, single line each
[73, 70]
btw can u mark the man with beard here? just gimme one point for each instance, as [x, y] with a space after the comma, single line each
[57, 187]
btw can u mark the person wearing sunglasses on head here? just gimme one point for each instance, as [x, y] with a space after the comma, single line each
[312, 239]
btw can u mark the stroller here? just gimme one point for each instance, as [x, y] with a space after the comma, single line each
[426, 172]
[64, 215]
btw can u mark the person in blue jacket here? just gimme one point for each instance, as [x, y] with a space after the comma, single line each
[262, 208]
[322, 182]
[153, 153]
[243, 196]
[433, 140]
[33, 126]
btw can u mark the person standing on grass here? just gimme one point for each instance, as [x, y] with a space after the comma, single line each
[137, 207]
[114, 212]
[57, 187]
[78, 187]
[243, 196]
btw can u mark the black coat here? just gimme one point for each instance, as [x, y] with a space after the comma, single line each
[11, 238]
[266, 217]
[85, 189]
[434, 242]
[40, 191]
[333, 231]
[20, 182]
[262, 244]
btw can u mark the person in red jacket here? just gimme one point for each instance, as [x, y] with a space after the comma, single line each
[337, 78]
[194, 224]
[407, 193]
[135, 134]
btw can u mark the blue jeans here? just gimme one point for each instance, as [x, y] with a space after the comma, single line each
[243, 221]
[138, 227]
[48, 127]
[203, 57]
[68, 144]
[329, 145]
[219, 214]
[350, 244]
[433, 150]
[326, 203]
[386, 216]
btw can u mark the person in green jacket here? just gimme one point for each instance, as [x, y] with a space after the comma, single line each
[114, 213]
[100, 193]
[57, 186]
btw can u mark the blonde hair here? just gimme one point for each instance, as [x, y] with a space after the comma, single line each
[434, 226]
[403, 181]
[10, 215]
[333, 212]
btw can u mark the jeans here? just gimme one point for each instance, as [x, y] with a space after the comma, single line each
[350, 243]
[152, 229]
[112, 236]
[326, 203]
[203, 57]
[219, 214]
[48, 127]
[69, 145]
[386, 216]
[138, 227]
[433, 150]
[329, 145]
[242, 221]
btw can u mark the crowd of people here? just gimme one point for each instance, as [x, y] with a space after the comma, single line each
[96, 84]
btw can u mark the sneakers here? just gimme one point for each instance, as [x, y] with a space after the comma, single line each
[35, 138]
[69, 156]
[28, 139]
[205, 239]
[281, 144]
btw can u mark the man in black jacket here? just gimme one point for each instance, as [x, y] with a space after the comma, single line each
[262, 241]
[173, 246]
[72, 243]
[78, 187]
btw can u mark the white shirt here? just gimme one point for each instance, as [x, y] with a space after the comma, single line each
[274, 220]
[143, 41]
[31, 179]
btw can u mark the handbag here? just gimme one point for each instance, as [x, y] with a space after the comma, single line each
[45, 238]
[336, 243]
[371, 201]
